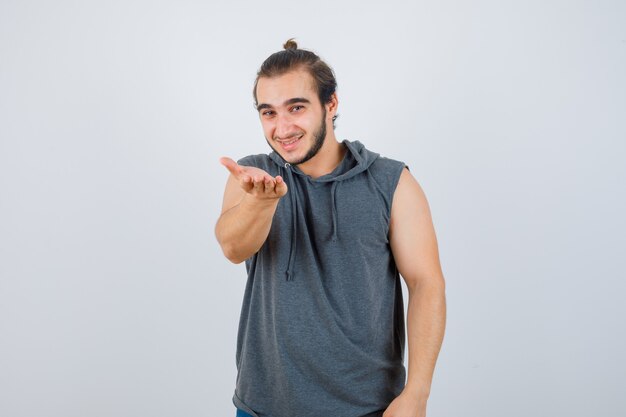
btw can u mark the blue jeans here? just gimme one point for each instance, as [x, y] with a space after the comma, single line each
[241, 413]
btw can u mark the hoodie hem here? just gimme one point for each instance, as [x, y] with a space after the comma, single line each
[242, 406]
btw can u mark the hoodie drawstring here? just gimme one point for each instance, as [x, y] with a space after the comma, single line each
[333, 203]
[356, 160]
[294, 222]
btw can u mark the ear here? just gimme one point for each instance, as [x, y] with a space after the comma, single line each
[331, 106]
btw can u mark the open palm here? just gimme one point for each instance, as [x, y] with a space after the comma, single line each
[255, 181]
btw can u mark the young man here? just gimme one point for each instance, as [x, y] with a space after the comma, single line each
[326, 228]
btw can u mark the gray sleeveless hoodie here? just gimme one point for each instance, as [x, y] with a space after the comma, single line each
[321, 331]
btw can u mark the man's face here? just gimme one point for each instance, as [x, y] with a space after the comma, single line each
[293, 119]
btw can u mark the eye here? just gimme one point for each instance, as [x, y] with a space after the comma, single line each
[297, 108]
[267, 113]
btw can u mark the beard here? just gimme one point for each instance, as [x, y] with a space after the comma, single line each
[318, 141]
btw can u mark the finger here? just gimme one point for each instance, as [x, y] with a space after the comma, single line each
[246, 183]
[231, 166]
[281, 188]
[269, 185]
[259, 185]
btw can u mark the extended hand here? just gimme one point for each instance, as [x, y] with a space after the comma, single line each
[255, 181]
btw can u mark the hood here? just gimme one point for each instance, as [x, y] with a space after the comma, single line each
[357, 159]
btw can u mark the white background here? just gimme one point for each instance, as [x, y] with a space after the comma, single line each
[115, 299]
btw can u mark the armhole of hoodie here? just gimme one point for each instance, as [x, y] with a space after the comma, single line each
[395, 179]
[386, 177]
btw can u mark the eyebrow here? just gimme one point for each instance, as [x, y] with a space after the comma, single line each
[286, 103]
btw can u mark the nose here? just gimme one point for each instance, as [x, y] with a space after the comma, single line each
[285, 127]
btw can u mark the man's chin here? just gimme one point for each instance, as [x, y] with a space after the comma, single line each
[284, 155]
[291, 160]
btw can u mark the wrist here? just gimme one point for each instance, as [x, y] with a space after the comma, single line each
[418, 391]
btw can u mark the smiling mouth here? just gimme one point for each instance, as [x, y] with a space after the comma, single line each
[289, 142]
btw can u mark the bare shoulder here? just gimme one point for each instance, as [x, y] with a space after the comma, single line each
[412, 235]
[409, 198]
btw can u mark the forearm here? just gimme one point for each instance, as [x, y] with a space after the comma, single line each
[242, 230]
[426, 321]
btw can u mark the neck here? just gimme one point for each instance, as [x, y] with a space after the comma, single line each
[326, 160]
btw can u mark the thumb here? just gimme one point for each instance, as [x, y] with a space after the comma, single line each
[231, 166]
[281, 187]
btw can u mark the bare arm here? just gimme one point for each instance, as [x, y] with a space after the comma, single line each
[414, 246]
[250, 200]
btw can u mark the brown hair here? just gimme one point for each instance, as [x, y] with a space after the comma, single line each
[292, 58]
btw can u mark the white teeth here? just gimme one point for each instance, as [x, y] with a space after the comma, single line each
[291, 141]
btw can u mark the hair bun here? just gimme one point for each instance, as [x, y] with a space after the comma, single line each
[290, 44]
